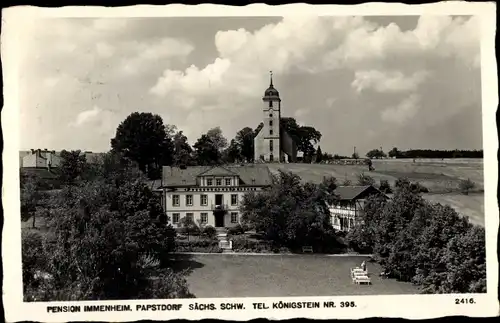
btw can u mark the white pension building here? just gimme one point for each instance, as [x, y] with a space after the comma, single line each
[210, 195]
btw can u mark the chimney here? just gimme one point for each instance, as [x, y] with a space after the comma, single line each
[32, 151]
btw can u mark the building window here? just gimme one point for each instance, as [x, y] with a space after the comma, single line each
[175, 218]
[209, 182]
[228, 182]
[271, 157]
[234, 217]
[204, 218]
[218, 182]
[270, 115]
[270, 103]
[203, 199]
[189, 217]
[234, 199]
[270, 132]
[271, 145]
[189, 200]
[175, 200]
[351, 223]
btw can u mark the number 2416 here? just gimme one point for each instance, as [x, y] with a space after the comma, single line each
[464, 301]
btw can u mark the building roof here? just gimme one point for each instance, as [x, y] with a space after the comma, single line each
[254, 175]
[356, 192]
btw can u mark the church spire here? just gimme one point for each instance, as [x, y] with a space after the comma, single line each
[271, 77]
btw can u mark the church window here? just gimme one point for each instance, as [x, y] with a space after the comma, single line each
[270, 115]
[270, 123]
[270, 132]
[271, 145]
[271, 157]
[270, 104]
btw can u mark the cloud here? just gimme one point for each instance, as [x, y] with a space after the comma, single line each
[387, 82]
[343, 71]
[403, 111]
[86, 116]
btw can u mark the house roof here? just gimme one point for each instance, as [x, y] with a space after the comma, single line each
[355, 192]
[218, 171]
[255, 175]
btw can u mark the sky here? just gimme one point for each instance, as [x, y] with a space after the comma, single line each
[408, 82]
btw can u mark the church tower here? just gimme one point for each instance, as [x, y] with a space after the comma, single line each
[271, 110]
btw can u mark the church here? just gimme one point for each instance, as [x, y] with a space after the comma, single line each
[273, 143]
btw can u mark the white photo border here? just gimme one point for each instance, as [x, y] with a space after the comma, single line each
[405, 306]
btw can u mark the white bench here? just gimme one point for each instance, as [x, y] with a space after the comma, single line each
[362, 280]
[307, 249]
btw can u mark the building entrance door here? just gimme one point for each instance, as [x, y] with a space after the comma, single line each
[219, 219]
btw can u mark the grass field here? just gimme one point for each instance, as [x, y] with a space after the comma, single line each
[441, 177]
[272, 276]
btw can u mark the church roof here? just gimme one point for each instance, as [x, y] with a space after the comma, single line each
[254, 175]
[271, 91]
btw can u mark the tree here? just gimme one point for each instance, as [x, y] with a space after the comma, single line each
[466, 185]
[232, 154]
[385, 187]
[206, 151]
[142, 137]
[292, 214]
[376, 153]
[31, 197]
[72, 166]
[217, 138]
[103, 236]
[245, 141]
[394, 153]
[304, 136]
[319, 155]
[364, 180]
[183, 153]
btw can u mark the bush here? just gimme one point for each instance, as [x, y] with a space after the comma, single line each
[466, 185]
[208, 246]
[236, 230]
[209, 231]
[385, 187]
[242, 244]
[364, 180]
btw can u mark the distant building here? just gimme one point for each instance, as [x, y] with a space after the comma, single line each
[273, 143]
[350, 205]
[38, 158]
[209, 195]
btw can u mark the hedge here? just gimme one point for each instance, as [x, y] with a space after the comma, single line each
[243, 244]
[208, 246]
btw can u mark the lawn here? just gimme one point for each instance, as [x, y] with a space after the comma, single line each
[471, 205]
[282, 275]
